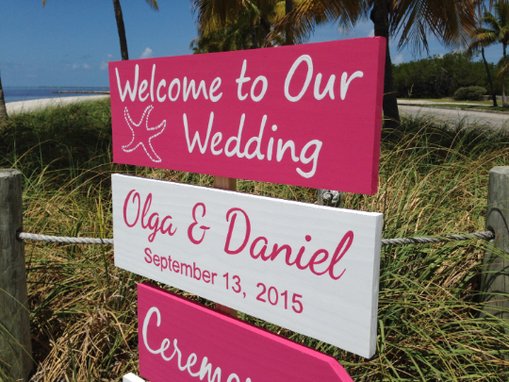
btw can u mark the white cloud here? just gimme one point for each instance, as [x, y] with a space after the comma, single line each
[147, 53]
[104, 64]
[77, 66]
[398, 59]
[371, 33]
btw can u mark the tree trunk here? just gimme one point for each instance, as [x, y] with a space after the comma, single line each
[493, 92]
[254, 38]
[265, 27]
[504, 98]
[121, 29]
[380, 17]
[3, 109]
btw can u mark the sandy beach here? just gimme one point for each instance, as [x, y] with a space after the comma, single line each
[37, 104]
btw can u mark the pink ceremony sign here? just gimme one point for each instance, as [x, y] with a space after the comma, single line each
[180, 340]
[307, 115]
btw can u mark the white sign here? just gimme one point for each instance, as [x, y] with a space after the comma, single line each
[312, 269]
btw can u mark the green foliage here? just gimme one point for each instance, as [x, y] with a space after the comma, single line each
[437, 77]
[433, 181]
[243, 27]
[470, 93]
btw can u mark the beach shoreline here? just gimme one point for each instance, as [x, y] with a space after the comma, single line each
[43, 103]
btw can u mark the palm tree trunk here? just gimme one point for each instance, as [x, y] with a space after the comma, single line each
[380, 17]
[121, 29]
[493, 92]
[3, 109]
[504, 98]
[265, 27]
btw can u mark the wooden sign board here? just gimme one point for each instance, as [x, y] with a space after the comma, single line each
[307, 115]
[180, 340]
[309, 268]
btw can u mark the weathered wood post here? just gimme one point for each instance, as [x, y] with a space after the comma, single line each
[495, 280]
[15, 347]
[225, 183]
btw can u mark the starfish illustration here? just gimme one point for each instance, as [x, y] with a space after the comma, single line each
[143, 136]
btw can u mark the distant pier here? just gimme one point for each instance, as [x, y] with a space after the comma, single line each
[82, 91]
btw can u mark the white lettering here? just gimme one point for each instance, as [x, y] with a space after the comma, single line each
[213, 87]
[236, 149]
[162, 84]
[265, 85]
[205, 367]
[346, 83]
[190, 146]
[127, 89]
[329, 88]
[307, 59]
[143, 87]
[192, 88]
[152, 82]
[281, 148]
[254, 146]
[258, 141]
[174, 82]
[241, 80]
[216, 139]
[313, 157]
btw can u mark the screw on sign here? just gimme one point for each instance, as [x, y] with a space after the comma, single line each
[180, 340]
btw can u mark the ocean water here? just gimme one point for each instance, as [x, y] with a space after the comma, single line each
[22, 93]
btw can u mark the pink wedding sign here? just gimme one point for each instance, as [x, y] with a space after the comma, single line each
[307, 115]
[180, 340]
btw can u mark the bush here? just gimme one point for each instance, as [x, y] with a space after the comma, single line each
[470, 93]
[437, 77]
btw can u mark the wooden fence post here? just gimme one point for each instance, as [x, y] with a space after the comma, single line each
[495, 278]
[15, 346]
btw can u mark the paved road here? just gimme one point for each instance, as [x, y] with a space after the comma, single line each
[453, 115]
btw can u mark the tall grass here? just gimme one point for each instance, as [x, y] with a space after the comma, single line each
[433, 180]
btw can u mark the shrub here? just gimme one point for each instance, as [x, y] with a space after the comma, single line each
[470, 93]
[437, 77]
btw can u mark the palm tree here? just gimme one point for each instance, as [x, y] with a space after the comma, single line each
[226, 26]
[481, 40]
[120, 24]
[497, 30]
[450, 21]
[3, 109]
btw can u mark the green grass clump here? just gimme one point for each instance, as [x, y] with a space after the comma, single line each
[433, 181]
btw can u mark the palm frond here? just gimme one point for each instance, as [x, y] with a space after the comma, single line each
[452, 22]
[153, 4]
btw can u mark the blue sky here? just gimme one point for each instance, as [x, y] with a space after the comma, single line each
[69, 42]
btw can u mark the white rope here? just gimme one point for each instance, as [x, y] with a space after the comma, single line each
[486, 235]
[63, 239]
